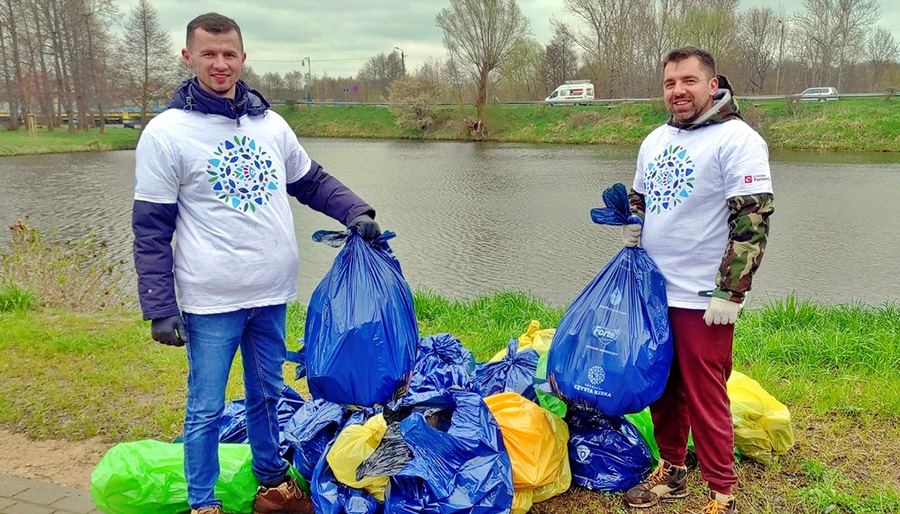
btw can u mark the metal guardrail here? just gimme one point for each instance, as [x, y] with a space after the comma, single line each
[596, 101]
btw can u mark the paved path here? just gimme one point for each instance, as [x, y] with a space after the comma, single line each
[25, 496]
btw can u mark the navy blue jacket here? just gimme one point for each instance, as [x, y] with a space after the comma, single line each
[153, 224]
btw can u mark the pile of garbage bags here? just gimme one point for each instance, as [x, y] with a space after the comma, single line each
[399, 423]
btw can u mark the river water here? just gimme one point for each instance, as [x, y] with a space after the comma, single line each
[476, 218]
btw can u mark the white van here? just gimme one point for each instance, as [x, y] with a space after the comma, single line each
[572, 92]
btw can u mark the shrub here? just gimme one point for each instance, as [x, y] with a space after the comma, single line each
[414, 102]
[72, 275]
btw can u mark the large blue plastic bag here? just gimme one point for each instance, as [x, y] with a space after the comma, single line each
[613, 347]
[442, 362]
[463, 470]
[361, 330]
[606, 454]
[512, 373]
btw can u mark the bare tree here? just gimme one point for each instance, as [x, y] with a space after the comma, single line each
[480, 35]
[758, 39]
[560, 56]
[713, 28]
[854, 20]
[610, 39]
[12, 62]
[381, 70]
[148, 55]
[272, 86]
[881, 52]
[521, 72]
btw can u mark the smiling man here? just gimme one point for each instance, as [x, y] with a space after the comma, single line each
[704, 191]
[217, 168]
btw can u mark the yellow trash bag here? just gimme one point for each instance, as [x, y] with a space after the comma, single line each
[538, 445]
[353, 445]
[534, 337]
[762, 424]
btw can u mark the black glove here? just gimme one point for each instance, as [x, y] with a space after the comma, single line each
[169, 331]
[365, 226]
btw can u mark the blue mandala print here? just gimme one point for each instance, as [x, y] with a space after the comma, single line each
[669, 179]
[241, 174]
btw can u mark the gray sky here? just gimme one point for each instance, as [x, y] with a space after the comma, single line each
[339, 36]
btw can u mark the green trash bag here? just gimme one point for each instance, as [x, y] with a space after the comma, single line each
[643, 422]
[147, 477]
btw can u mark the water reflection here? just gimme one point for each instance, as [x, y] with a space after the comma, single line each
[475, 218]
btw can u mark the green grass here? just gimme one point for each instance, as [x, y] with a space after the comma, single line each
[61, 141]
[76, 375]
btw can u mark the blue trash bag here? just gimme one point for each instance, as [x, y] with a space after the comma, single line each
[606, 454]
[311, 430]
[442, 363]
[613, 347]
[361, 330]
[332, 497]
[462, 468]
[513, 373]
[233, 424]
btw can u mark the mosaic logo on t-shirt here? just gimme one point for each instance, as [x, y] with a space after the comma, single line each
[668, 179]
[241, 174]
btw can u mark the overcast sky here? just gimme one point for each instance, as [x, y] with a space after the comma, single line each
[339, 36]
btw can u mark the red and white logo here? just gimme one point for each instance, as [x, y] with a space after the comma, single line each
[748, 179]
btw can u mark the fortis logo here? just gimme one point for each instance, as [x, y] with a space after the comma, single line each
[606, 335]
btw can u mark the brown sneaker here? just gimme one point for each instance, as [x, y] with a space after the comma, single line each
[215, 509]
[667, 482]
[719, 504]
[287, 498]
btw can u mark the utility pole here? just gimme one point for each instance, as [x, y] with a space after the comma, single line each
[306, 62]
[402, 58]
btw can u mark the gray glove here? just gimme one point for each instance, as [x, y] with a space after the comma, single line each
[631, 235]
[169, 331]
[365, 226]
[721, 312]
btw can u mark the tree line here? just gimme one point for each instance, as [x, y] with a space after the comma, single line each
[63, 62]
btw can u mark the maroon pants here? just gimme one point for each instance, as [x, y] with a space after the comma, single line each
[696, 399]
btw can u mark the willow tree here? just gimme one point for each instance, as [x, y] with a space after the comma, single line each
[480, 36]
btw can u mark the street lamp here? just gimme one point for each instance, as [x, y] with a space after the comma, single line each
[308, 64]
[402, 58]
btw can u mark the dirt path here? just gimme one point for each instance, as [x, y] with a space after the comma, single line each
[64, 463]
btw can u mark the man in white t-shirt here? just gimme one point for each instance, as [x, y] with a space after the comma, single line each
[217, 168]
[704, 190]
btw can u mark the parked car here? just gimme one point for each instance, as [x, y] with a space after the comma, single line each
[819, 94]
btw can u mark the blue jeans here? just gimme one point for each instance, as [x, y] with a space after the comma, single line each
[214, 339]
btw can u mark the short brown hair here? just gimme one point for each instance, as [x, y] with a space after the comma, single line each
[214, 23]
[706, 59]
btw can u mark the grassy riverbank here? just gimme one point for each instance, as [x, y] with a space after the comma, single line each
[61, 141]
[90, 369]
[847, 125]
[863, 124]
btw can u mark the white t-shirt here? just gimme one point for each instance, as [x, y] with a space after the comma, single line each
[686, 176]
[235, 245]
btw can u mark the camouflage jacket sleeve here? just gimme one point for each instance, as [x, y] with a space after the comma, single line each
[636, 203]
[748, 229]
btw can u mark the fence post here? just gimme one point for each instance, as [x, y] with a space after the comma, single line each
[31, 124]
